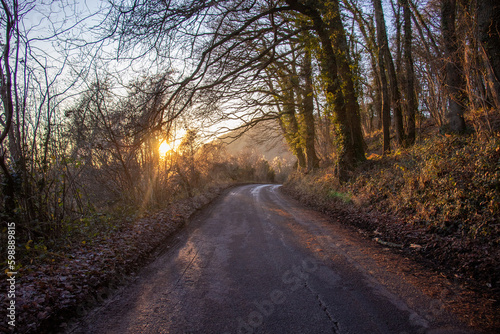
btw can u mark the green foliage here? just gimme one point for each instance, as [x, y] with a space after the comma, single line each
[339, 195]
[96, 225]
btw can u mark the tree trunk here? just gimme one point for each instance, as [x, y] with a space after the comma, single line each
[384, 90]
[455, 83]
[367, 30]
[8, 106]
[377, 96]
[395, 93]
[289, 124]
[386, 107]
[307, 111]
[396, 8]
[349, 149]
[488, 21]
[411, 98]
[353, 111]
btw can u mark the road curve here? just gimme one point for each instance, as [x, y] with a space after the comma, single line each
[257, 262]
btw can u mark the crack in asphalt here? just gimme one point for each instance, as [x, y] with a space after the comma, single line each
[324, 307]
[187, 267]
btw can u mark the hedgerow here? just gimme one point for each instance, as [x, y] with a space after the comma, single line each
[440, 199]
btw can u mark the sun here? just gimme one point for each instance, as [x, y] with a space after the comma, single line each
[164, 148]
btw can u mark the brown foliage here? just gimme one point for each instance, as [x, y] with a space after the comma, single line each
[438, 200]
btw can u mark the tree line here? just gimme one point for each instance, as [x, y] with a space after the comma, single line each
[334, 64]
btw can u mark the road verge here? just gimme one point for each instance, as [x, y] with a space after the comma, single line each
[51, 294]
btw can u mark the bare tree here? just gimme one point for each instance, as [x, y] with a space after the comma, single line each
[391, 71]
[307, 112]
[488, 18]
[212, 48]
[11, 21]
[455, 84]
[411, 98]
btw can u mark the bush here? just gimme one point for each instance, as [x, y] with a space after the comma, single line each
[445, 182]
[442, 194]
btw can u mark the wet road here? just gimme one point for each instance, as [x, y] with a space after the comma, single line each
[257, 262]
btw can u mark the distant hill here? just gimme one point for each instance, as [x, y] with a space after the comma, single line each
[264, 139]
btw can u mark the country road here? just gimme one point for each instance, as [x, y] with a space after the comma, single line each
[255, 261]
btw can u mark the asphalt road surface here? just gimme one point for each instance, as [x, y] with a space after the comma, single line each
[256, 261]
